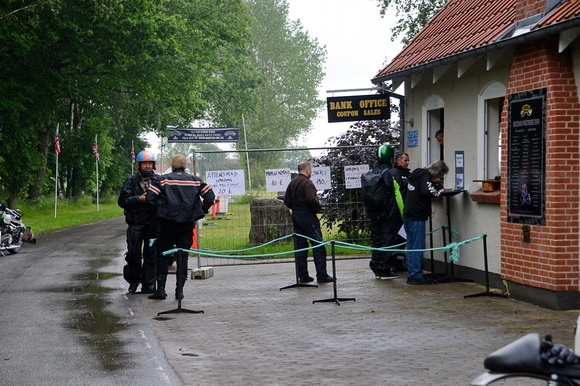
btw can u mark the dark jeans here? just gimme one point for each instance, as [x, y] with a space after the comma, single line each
[138, 249]
[173, 235]
[384, 233]
[307, 224]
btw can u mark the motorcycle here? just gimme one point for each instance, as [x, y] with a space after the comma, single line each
[532, 357]
[13, 233]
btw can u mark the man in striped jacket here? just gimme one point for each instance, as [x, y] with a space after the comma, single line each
[180, 199]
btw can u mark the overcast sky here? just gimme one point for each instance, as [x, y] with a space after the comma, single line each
[358, 46]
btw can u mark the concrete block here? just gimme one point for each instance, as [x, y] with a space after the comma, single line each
[202, 273]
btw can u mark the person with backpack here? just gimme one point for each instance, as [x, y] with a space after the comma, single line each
[423, 185]
[383, 201]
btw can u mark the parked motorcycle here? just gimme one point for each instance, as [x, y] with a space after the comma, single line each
[532, 357]
[12, 231]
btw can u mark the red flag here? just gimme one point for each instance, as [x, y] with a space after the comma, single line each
[133, 155]
[56, 143]
[96, 148]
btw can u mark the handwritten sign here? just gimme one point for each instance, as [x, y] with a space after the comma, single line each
[321, 178]
[226, 182]
[277, 180]
[352, 175]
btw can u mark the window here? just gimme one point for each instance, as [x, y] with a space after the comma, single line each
[490, 105]
[433, 121]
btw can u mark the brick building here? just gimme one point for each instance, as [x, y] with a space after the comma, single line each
[501, 79]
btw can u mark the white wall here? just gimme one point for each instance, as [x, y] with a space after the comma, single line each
[461, 99]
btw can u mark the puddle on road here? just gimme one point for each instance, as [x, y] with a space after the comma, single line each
[98, 327]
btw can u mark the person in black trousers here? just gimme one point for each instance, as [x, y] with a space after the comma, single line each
[181, 199]
[301, 198]
[140, 218]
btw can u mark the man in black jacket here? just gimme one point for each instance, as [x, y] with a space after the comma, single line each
[181, 199]
[386, 218]
[140, 217]
[423, 185]
[301, 198]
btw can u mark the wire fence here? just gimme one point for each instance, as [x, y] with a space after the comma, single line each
[243, 217]
[237, 224]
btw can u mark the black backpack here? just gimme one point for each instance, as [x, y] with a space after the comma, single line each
[374, 190]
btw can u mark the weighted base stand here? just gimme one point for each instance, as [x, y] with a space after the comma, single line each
[487, 291]
[181, 277]
[335, 299]
[298, 284]
[180, 310]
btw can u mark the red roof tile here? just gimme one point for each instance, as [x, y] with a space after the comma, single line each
[566, 11]
[463, 25]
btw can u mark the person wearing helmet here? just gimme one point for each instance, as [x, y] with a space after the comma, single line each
[142, 226]
[386, 218]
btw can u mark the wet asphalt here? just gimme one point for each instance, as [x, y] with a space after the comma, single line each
[66, 318]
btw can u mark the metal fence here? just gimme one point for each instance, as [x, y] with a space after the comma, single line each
[256, 227]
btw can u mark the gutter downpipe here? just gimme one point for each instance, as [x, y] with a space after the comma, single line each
[480, 51]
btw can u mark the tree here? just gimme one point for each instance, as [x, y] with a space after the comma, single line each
[361, 139]
[290, 64]
[413, 15]
[107, 67]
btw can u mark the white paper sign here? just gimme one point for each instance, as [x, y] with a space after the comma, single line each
[226, 182]
[352, 175]
[277, 180]
[321, 178]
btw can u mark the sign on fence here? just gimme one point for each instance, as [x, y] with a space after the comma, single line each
[226, 182]
[277, 180]
[352, 175]
[321, 178]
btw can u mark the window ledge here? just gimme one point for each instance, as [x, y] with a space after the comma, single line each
[489, 197]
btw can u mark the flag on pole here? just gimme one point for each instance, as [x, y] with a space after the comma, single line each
[132, 155]
[56, 143]
[96, 148]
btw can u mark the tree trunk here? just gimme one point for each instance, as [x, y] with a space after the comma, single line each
[35, 190]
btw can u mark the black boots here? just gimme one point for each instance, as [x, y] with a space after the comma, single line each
[160, 291]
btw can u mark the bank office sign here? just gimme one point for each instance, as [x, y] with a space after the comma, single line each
[204, 135]
[358, 108]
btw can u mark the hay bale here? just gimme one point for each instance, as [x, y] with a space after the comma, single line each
[271, 219]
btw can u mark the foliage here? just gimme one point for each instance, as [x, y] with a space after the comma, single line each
[413, 15]
[359, 144]
[110, 68]
[291, 66]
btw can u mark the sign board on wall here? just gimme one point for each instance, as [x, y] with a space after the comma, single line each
[526, 157]
[358, 108]
[413, 138]
[226, 182]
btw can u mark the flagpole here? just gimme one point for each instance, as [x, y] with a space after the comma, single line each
[56, 174]
[97, 167]
[132, 156]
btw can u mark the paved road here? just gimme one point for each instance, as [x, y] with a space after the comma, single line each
[65, 318]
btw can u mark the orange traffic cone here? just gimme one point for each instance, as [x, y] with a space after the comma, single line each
[194, 245]
[213, 210]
